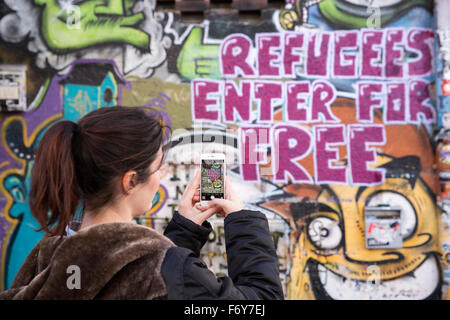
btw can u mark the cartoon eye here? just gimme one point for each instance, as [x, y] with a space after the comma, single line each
[17, 193]
[393, 199]
[15, 187]
[325, 233]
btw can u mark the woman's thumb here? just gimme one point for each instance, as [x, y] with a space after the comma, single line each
[208, 213]
[220, 202]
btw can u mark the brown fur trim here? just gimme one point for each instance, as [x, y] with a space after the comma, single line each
[116, 261]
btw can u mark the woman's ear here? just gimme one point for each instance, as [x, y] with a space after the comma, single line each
[129, 181]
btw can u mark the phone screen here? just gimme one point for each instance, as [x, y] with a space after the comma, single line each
[212, 181]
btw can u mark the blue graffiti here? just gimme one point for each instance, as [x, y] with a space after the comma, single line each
[88, 86]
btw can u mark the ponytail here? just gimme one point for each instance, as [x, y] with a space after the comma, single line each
[77, 164]
[55, 191]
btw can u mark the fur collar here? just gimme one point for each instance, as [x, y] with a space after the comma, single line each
[115, 260]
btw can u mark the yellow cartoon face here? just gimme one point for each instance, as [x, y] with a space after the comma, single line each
[330, 258]
[217, 183]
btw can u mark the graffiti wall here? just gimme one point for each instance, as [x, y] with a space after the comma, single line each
[443, 107]
[323, 109]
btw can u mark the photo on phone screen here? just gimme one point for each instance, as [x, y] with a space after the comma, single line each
[212, 179]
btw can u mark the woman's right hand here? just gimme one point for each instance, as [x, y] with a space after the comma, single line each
[230, 204]
[187, 202]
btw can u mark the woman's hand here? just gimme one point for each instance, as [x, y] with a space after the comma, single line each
[230, 204]
[191, 196]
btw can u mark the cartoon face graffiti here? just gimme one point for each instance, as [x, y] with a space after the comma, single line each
[347, 14]
[367, 13]
[296, 13]
[334, 240]
[329, 258]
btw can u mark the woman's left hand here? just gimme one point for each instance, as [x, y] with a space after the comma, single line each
[187, 204]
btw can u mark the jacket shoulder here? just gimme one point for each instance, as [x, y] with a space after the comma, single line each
[115, 261]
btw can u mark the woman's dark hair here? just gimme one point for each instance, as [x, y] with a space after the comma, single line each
[81, 161]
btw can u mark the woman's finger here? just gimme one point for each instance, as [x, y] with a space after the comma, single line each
[230, 194]
[192, 187]
[196, 180]
[222, 204]
[208, 213]
[204, 206]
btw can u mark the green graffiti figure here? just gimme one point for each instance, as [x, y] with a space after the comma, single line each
[345, 14]
[198, 60]
[92, 22]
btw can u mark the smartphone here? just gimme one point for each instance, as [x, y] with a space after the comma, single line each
[212, 181]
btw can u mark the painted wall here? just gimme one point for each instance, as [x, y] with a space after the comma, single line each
[323, 108]
[443, 107]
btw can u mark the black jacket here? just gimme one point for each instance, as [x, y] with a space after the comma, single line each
[251, 257]
[122, 260]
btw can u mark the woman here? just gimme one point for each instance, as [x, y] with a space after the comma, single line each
[110, 161]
